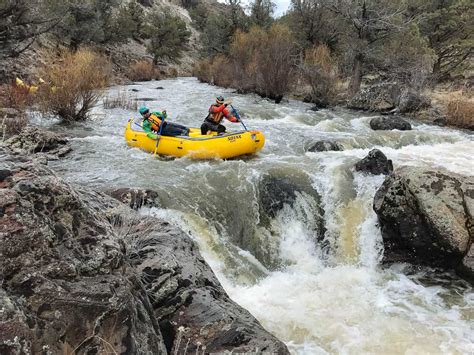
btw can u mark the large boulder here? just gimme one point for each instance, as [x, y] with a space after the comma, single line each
[35, 140]
[324, 146]
[281, 192]
[194, 312]
[426, 217]
[83, 273]
[378, 98]
[389, 123]
[412, 101]
[375, 163]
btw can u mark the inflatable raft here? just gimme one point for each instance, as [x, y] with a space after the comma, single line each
[196, 146]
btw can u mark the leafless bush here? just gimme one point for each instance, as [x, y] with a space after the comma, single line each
[260, 61]
[460, 111]
[143, 70]
[121, 100]
[244, 59]
[222, 72]
[74, 83]
[202, 70]
[275, 62]
[319, 70]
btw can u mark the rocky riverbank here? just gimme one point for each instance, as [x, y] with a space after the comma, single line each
[82, 272]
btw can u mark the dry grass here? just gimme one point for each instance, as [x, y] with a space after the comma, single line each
[143, 70]
[15, 96]
[460, 110]
[12, 125]
[121, 100]
[74, 83]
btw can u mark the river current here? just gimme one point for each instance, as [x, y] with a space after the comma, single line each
[319, 298]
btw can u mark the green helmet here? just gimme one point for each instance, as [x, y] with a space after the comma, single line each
[143, 110]
[220, 100]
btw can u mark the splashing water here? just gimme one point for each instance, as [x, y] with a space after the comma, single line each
[319, 297]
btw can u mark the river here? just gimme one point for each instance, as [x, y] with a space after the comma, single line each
[319, 298]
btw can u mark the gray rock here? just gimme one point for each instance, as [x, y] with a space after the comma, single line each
[135, 198]
[426, 218]
[275, 191]
[441, 121]
[82, 272]
[187, 298]
[379, 97]
[389, 123]
[36, 140]
[375, 163]
[412, 101]
[324, 146]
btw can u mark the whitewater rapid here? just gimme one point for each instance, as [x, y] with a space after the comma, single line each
[321, 298]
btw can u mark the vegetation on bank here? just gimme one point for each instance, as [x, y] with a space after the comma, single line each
[91, 23]
[413, 43]
[321, 50]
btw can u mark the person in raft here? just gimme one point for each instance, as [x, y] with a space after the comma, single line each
[152, 122]
[217, 112]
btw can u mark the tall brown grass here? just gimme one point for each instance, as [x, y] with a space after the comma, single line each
[74, 83]
[143, 70]
[121, 100]
[460, 110]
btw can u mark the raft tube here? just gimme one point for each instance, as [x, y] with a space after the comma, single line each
[196, 146]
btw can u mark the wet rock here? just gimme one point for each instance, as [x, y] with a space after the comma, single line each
[389, 123]
[36, 140]
[64, 268]
[193, 309]
[378, 98]
[135, 90]
[412, 101]
[375, 163]
[82, 272]
[146, 3]
[426, 218]
[324, 146]
[466, 268]
[276, 190]
[135, 198]
[441, 121]
[280, 194]
[159, 88]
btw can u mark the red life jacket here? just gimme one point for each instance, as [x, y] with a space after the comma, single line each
[216, 113]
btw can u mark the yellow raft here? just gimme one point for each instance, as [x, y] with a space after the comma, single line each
[196, 146]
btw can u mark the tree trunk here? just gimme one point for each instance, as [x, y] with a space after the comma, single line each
[356, 78]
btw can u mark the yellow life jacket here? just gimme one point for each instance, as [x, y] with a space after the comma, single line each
[155, 122]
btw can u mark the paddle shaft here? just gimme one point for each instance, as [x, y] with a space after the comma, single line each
[159, 135]
[238, 116]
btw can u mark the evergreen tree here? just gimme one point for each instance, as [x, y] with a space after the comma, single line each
[449, 27]
[168, 36]
[261, 12]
